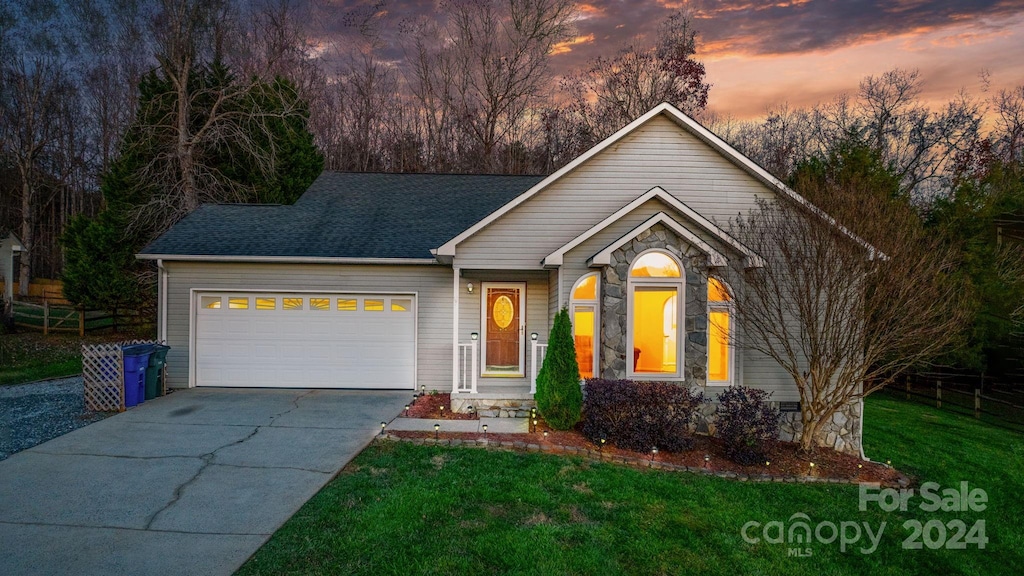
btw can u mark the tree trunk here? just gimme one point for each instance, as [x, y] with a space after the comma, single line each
[26, 234]
[807, 434]
[190, 196]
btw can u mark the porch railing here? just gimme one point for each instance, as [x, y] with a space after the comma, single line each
[469, 367]
[537, 353]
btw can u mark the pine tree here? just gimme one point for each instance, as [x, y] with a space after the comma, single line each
[559, 398]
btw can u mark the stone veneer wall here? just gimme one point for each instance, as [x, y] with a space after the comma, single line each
[613, 304]
[841, 433]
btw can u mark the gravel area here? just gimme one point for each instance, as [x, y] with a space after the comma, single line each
[33, 413]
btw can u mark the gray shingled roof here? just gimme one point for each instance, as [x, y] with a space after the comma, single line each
[351, 215]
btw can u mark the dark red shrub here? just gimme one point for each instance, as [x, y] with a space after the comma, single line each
[746, 423]
[640, 415]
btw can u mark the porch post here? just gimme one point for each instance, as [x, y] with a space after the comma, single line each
[455, 330]
[533, 367]
[474, 364]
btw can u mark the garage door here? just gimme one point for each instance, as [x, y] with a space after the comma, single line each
[297, 340]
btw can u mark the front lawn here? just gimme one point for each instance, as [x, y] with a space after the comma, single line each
[30, 356]
[405, 509]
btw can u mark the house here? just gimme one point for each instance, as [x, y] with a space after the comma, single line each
[9, 246]
[451, 282]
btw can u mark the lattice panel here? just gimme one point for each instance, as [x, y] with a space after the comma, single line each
[103, 376]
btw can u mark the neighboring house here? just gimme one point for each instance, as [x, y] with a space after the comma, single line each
[451, 282]
[9, 246]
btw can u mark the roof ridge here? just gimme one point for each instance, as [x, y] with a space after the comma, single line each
[497, 174]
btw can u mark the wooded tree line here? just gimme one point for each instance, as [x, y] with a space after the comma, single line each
[134, 112]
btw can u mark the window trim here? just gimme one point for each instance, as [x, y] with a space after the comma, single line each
[679, 284]
[596, 304]
[728, 306]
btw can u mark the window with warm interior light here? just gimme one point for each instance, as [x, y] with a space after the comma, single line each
[347, 304]
[266, 303]
[211, 302]
[238, 303]
[291, 303]
[401, 305]
[720, 361]
[654, 324]
[583, 307]
[319, 303]
[373, 305]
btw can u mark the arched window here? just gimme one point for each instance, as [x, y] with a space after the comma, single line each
[655, 313]
[720, 328]
[583, 307]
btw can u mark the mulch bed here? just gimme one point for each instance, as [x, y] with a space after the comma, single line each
[430, 406]
[785, 460]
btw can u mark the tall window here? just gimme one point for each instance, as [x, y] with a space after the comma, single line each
[655, 314]
[720, 360]
[583, 307]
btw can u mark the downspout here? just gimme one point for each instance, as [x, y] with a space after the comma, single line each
[163, 300]
[860, 423]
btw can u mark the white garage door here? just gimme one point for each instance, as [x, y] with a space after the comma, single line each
[302, 340]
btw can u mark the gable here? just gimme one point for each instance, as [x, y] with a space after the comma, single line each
[656, 153]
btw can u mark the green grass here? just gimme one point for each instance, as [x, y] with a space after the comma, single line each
[30, 356]
[405, 509]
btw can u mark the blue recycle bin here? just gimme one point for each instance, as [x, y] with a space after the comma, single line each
[136, 358]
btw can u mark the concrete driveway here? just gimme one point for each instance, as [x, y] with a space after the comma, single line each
[191, 483]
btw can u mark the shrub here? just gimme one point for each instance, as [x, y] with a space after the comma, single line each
[640, 415]
[746, 423]
[559, 399]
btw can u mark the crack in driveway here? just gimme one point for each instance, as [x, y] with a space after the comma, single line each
[208, 460]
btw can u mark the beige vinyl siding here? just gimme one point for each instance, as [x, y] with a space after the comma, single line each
[659, 153]
[432, 284]
[537, 319]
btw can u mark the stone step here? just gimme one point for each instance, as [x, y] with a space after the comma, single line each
[495, 405]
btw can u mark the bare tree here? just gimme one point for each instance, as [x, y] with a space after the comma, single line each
[486, 65]
[888, 114]
[32, 95]
[1009, 124]
[844, 318]
[612, 92]
[193, 106]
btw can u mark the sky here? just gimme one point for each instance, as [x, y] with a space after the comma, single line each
[799, 52]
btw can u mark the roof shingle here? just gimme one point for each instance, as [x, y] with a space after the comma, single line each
[347, 215]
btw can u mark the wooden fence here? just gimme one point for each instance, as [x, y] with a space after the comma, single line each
[50, 318]
[998, 403]
[103, 375]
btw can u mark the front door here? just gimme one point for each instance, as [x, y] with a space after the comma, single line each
[504, 325]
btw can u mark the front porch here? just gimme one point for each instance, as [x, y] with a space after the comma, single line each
[500, 337]
[495, 397]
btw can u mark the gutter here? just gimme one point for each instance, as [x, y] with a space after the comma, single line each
[285, 259]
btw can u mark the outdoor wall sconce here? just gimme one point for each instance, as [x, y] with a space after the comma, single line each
[474, 336]
[469, 287]
[534, 336]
